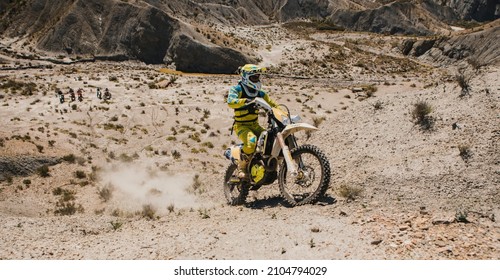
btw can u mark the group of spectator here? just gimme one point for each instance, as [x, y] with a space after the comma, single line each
[79, 94]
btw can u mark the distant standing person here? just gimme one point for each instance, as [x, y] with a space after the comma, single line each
[61, 96]
[99, 94]
[107, 94]
[72, 94]
[79, 93]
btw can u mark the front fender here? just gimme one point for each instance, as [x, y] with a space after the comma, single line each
[293, 128]
[289, 130]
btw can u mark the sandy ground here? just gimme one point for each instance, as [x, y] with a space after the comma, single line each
[146, 182]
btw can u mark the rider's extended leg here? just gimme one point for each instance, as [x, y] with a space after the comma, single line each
[248, 134]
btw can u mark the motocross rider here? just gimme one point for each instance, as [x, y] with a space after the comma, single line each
[246, 124]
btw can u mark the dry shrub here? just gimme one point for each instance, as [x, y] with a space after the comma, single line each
[106, 192]
[463, 81]
[465, 152]
[349, 193]
[421, 115]
[149, 212]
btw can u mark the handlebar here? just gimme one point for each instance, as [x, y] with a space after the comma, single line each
[261, 103]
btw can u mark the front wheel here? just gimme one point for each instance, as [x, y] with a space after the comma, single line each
[312, 180]
[235, 190]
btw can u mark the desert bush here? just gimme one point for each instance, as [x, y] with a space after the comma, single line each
[370, 90]
[149, 212]
[208, 145]
[203, 213]
[420, 115]
[318, 120]
[465, 152]
[117, 213]
[65, 204]
[93, 176]
[311, 243]
[67, 195]
[111, 126]
[39, 148]
[206, 113]
[15, 86]
[463, 81]
[43, 171]
[125, 158]
[116, 225]
[195, 137]
[196, 185]
[65, 208]
[80, 174]
[83, 183]
[378, 105]
[349, 193]
[461, 216]
[69, 158]
[57, 191]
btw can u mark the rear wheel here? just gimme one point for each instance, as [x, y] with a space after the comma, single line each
[312, 180]
[235, 190]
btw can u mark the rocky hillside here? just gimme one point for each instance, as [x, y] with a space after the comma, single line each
[477, 10]
[186, 34]
[479, 46]
[116, 30]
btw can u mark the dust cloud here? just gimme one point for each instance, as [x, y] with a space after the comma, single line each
[136, 185]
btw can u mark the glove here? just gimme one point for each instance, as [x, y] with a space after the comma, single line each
[250, 105]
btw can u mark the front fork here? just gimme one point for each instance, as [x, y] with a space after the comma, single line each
[290, 163]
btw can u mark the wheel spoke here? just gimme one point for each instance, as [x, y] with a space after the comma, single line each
[234, 190]
[312, 181]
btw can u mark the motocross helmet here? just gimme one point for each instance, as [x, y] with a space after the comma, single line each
[250, 78]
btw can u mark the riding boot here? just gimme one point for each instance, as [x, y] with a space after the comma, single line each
[242, 166]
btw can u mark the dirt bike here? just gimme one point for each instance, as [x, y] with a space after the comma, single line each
[303, 172]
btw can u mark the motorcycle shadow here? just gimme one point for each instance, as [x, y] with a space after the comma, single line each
[277, 200]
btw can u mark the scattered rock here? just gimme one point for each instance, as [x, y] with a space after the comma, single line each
[376, 242]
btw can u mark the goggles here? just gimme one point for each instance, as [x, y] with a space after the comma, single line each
[254, 78]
